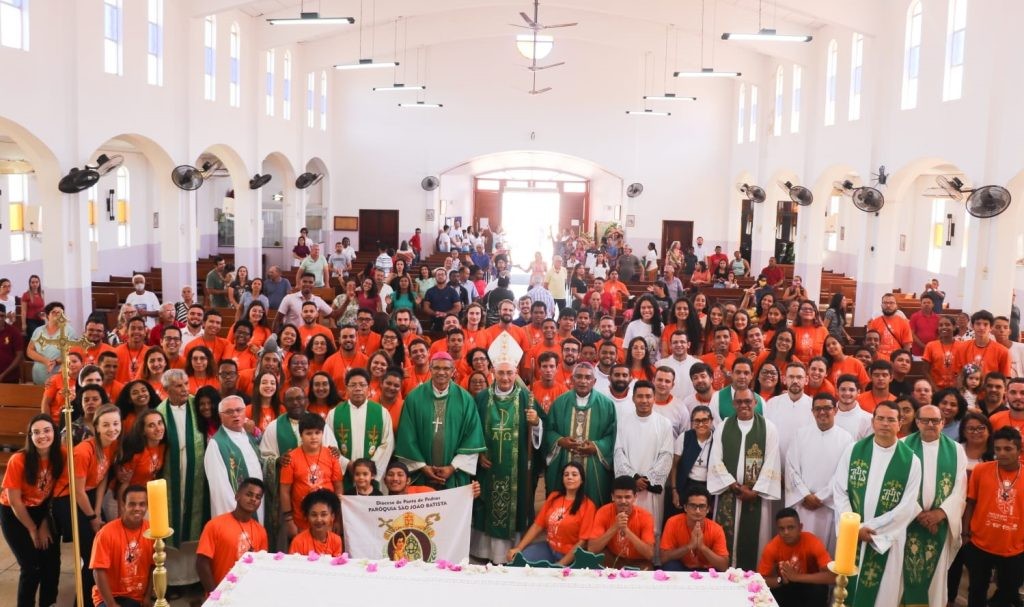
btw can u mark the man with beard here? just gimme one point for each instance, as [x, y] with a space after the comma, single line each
[680, 362]
[606, 328]
[404, 326]
[790, 410]
[745, 472]
[418, 369]
[193, 328]
[441, 299]
[570, 356]
[512, 432]
[666, 404]
[311, 326]
[1014, 414]
[95, 332]
[346, 358]
[211, 337]
[451, 322]
[893, 330]
[441, 437]
[505, 311]
[583, 332]
[607, 353]
[290, 310]
[643, 449]
[620, 387]
[580, 427]
[742, 379]
[700, 377]
[524, 311]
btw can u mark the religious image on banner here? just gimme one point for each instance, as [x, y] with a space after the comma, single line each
[425, 526]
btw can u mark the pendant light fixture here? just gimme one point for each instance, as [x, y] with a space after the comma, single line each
[311, 18]
[420, 102]
[648, 58]
[366, 64]
[706, 72]
[669, 96]
[765, 34]
[400, 85]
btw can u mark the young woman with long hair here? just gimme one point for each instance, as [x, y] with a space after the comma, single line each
[835, 318]
[565, 517]
[780, 351]
[136, 398]
[199, 369]
[646, 321]
[638, 359]
[810, 334]
[318, 350]
[682, 318]
[207, 416]
[767, 383]
[143, 451]
[266, 403]
[841, 364]
[377, 365]
[323, 394]
[154, 363]
[392, 345]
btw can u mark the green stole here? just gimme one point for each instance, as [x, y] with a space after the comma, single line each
[753, 459]
[371, 437]
[923, 549]
[189, 491]
[725, 408]
[286, 438]
[499, 484]
[233, 458]
[286, 441]
[864, 592]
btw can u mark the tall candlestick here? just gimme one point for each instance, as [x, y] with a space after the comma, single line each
[846, 545]
[159, 524]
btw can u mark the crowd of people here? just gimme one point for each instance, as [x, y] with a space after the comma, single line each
[670, 430]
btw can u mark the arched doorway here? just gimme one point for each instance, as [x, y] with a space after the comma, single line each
[276, 197]
[229, 211]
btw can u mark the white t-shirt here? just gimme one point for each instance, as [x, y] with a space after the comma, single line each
[146, 302]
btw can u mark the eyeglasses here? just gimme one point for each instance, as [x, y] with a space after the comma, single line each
[769, 372]
[976, 429]
[700, 420]
[172, 339]
[929, 421]
[888, 420]
[388, 337]
[227, 373]
[821, 409]
[743, 401]
[697, 507]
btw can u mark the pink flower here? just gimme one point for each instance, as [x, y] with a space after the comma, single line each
[340, 560]
[612, 575]
[454, 567]
[313, 556]
[402, 562]
[712, 572]
[248, 558]
[696, 575]
[442, 564]
[661, 576]
[215, 595]
[371, 568]
[566, 572]
[754, 587]
[747, 574]
[278, 556]
[231, 577]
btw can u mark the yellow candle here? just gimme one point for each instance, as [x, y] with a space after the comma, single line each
[158, 522]
[846, 545]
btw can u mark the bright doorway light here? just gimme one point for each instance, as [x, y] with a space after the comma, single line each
[528, 217]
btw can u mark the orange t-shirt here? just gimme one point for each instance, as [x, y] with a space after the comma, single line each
[808, 555]
[367, 344]
[476, 339]
[14, 478]
[217, 346]
[338, 365]
[267, 416]
[941, 363]
[544, 397]
[129, 362]
[194, 383]
[1003, 419]
[565, 529]
[304, 544]
[413, 379]
[677, 534]
[113, 390]
[868, 402]
[259, 335]
[244, 358]
[518, 333]
[826, 386]
[307, 473]
[719, 379]
[895, 333]
[88, 464]
[849, 366]
[394, 410]
[126, 556]
[563, 377]
[146, 465]
[54, 389]
[413, 489]
[90, 356]
[993, 357]
[641, 523]
[307, 332]
[530, 360]
[996, 524]
[176, 363]
[809, 342]
[225, 539]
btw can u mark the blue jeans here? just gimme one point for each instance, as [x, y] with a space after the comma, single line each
[541, 551]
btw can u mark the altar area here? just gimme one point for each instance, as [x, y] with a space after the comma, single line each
[321, 581]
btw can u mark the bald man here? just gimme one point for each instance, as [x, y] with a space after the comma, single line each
[231, 443]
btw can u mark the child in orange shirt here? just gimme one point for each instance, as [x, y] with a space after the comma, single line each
[623, 530]
[227, 537]
[566, 517]
[321, 508]
[310, 466]
[795, 563]
[122, 556]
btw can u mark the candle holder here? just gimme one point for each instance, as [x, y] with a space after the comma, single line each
[159, 571]
[839, 594]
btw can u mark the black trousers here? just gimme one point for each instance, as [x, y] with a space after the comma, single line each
[1009, 577]
[801, 595]
[40, 569]
[956, 571]
[86, 535]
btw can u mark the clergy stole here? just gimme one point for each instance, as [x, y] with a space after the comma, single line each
[287, 439]
[923, 548]
[371, 436]
[751, 458]
[233, 458]
[725, 408]
[188, 498]
[894, 483]
[499, 484]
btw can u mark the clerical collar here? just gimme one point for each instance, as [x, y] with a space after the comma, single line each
[438, 393]
[364, 402]
[581, 401]
[503, 393]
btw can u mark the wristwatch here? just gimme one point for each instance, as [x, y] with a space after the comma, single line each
[780, 581]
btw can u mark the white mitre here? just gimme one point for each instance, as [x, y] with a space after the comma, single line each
[505, 349]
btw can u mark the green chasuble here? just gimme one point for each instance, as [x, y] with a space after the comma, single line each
[186, 480]
[752, 459]
[435, 430]
[505, 505]
[725, 408]
[594, 421]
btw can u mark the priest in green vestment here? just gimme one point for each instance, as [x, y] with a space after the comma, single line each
[232, 455]
[439, 436]
[281, 436]
[187, 493]
[512, 432]
[580, 427]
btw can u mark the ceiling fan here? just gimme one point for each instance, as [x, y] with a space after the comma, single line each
[536, 27]
[535, 24]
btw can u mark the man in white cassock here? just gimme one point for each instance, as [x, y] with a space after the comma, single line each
[849, 414]
[643, 450]
[790, 411]
[933, 539]
[232, 455]
[810, 467]
[512, 434]
[667, 404]
[879, 478]
[745, 472]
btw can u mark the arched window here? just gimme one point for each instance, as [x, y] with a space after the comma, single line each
[831, 67]
[856, 74]
[794, 108]
[270, 82]
[124, 232]
[14, 24]
[310, 95]
[956, 33]
[210, 58]
[17, 201]
[286, 88]
[753, 114]
[323, 100]
[741, 115]
[911, 56]
[113, 37]
[155, 47]
[235, 76]
[779, 93]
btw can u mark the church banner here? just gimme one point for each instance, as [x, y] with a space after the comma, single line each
[421, 526]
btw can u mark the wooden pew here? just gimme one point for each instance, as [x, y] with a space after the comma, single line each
[18, 404]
